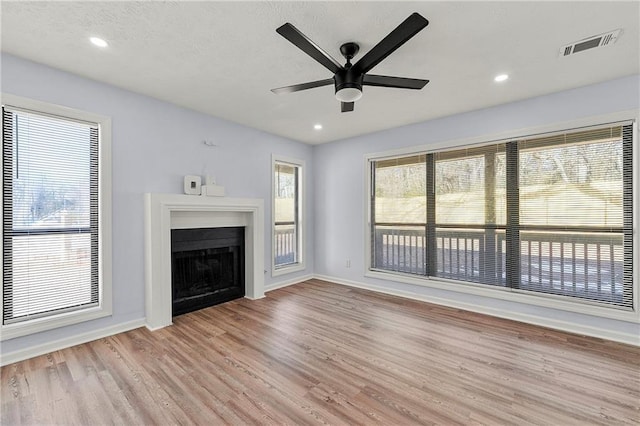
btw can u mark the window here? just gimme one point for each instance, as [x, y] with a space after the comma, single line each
[575, 216]
[551, 214]
[287, 216]
[52, 267]
[470, 214]
[400, 215]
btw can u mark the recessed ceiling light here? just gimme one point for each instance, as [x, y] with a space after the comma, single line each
[501, 77]
[317, 126]
[98, 41]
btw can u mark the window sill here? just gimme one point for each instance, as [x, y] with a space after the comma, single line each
[25, 328]
[283, 270]
[512, 295]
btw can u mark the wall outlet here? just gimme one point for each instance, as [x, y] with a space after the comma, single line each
[348, 265]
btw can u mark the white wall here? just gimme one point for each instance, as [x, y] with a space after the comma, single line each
[154, 145]
[340, 181]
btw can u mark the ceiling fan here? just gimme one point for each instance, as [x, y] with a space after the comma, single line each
[349, 79]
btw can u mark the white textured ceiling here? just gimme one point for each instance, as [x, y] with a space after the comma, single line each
[222, 58]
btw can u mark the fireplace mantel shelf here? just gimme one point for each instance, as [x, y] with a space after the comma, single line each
[164, 212]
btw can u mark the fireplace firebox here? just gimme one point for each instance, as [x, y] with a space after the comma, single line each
[207, 267]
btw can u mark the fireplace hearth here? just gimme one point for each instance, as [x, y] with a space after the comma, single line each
[207, 267]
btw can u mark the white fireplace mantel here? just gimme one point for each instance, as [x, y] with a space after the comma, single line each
[166, 211]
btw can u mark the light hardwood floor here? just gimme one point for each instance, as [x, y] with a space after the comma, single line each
[321, 353]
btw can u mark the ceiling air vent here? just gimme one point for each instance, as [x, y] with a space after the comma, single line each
[599, 40]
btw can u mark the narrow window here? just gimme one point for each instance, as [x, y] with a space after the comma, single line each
[287, 215]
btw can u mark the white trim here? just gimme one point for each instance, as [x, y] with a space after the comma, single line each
[630, 339]
[105, 308]
[300, 265]
[66, 342]
[158, 213]
[60, 111]
[513, 295]
[367, 199]
[636, 215]
[287, 269]
[549, 301]
[287, 283]
[18, 329]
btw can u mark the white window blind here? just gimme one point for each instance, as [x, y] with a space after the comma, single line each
[399, 209]
[572, 214]
[50, 215]
[470, 214]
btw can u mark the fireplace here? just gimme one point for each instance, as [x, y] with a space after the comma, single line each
[166, 212]
[207, 267]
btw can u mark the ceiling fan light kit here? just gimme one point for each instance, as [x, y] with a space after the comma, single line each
[349, 94]
[349, 79]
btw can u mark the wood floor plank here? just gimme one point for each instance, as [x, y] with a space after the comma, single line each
[321, 353]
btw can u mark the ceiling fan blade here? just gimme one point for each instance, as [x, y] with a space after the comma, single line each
[346, 106]
[303, 86]
[292, 34]
[397, 82]
[396, 38]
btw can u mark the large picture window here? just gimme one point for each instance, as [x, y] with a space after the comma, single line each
[551, 214]
[51, 217]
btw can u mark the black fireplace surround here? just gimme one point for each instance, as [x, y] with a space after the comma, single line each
[207, 267]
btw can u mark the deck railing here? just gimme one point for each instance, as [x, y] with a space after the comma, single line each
[401, 248]
[587, 265]
[285, 244]
[461, 254]
[580, 264]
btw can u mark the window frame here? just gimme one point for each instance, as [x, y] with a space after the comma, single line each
[546, 300]
[299, 265]
[105, 304]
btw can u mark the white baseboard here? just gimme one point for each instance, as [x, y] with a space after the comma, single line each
[629, 339]
[45, 348]
[287, 283]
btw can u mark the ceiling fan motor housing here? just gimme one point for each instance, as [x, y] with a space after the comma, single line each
[348, 78]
